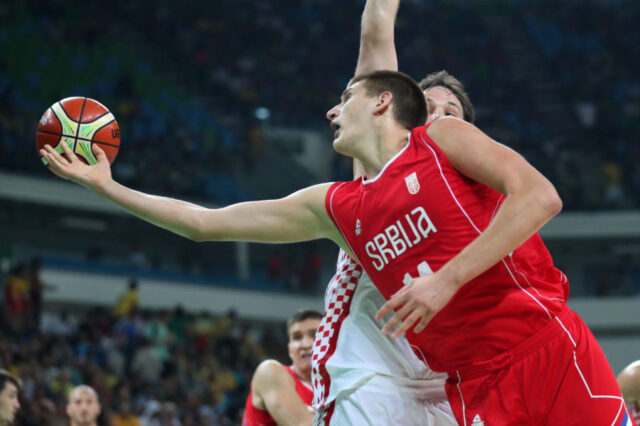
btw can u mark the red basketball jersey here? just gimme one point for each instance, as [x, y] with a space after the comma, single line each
[416, 215]
[256, 417]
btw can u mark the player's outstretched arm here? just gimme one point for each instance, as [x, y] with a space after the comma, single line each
[298, 217]
[530, 202]
[274, 389]
[377, 45]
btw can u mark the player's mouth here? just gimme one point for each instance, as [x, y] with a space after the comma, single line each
[336, 128]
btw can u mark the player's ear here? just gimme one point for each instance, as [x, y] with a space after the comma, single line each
[383, 102]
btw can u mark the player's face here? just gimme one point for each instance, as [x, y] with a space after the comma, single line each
[301, 336]
[348, 118]
[83, 407]
[9, 403]
[441, 102]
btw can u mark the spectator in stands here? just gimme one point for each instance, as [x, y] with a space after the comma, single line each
[9, 403]
[17, 299]
[36, 290]
[128, 301]
[124, 415]
[83, 407]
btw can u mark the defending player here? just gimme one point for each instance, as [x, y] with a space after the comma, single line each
[83, 407]
[362, 376]
[446, 203]
[9, 403]
[282, 394]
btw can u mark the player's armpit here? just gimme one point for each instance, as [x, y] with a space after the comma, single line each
[276, 390]
[377, 45]
[299, 217]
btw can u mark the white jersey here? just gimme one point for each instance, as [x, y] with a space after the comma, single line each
[350, 350]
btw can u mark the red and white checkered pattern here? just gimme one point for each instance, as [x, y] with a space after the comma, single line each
[337, 303]
[323, 416]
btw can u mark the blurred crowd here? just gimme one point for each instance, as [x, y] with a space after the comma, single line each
[149, 368]
[558, 82]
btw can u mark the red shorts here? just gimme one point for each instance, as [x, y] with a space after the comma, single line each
[559, 376]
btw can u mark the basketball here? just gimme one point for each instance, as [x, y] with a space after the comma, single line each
[79, 122]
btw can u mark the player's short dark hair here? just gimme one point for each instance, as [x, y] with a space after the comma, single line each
[449, 82]
[410, 107]
[303, 314]
[5, 377]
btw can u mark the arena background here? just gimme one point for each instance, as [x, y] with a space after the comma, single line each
[224, 101]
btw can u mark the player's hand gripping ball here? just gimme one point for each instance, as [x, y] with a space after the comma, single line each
[79, 123]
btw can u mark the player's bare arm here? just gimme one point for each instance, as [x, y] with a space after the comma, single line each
[530, 202]
[377, 45]
[273, 389]
[299, 217]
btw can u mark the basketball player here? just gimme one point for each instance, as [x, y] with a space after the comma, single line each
[9, 403]
[445, 224]
[282, 394]
[83, 407]
[629, 381]
[382, 382]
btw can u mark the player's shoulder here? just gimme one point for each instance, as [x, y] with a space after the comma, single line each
[442, 126]
[271, 374]
[268, 366]
[270, 369]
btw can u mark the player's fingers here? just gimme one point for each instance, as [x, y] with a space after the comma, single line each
[390, 305]
[54, 155]
[407, 323]
[397, 318]
[55, 160]
[423, 323]
[68, 153]
[99, 152]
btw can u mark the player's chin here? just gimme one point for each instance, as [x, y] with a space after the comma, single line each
[305, 360]
[341, 147]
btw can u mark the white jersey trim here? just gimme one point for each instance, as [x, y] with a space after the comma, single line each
[388, 163]
[584, 380]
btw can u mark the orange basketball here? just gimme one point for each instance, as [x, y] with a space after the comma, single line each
[80, 123]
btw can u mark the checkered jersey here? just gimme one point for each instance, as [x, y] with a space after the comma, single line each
[338, 298]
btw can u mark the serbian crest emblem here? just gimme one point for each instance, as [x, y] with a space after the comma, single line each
[413, 186]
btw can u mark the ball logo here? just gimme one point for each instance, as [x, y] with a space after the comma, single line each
[413, 186]
[44, 120]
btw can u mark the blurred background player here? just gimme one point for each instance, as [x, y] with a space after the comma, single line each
[282, 394]
[9, 402]
[83, 407]
[629, 381]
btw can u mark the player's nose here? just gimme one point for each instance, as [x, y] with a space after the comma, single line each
[333, 113]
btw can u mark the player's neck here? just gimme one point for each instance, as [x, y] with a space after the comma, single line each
[383, 148]
[303, 375]
[72, 423]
